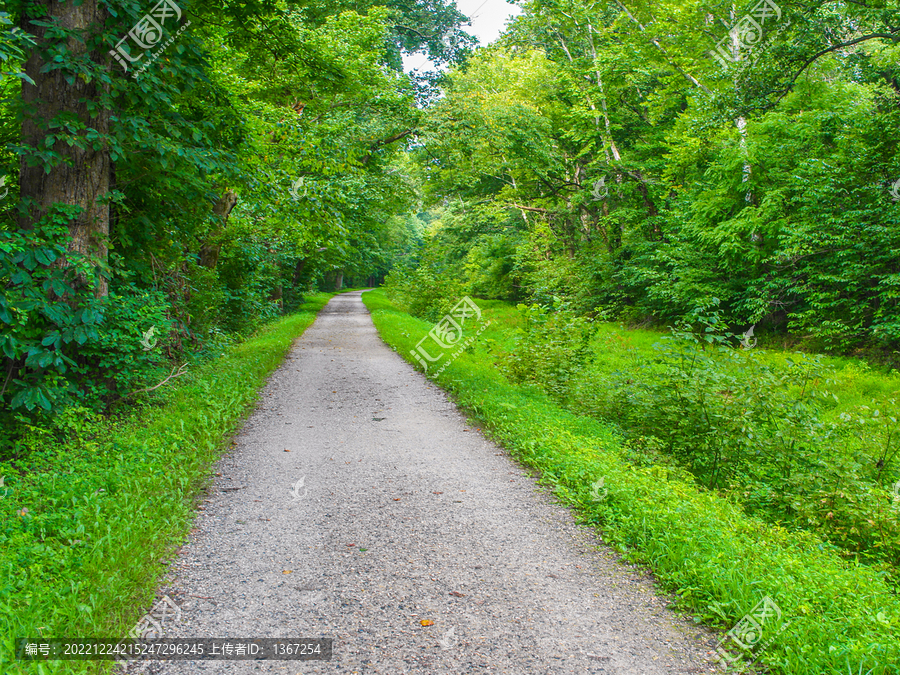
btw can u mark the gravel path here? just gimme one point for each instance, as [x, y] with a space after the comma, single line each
[405, 513]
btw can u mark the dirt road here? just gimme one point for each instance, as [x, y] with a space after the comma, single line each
[358, 503]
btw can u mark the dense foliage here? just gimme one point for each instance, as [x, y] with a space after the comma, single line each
[602, 153]
[158, 200]
[798, 440]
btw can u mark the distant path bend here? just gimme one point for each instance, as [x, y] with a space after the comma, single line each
[405, 513]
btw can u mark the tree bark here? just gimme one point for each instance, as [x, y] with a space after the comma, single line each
[82, 176]
[339, 282]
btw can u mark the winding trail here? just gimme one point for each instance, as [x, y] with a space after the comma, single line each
[405, 513]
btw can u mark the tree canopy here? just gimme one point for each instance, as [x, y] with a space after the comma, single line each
[645, 159]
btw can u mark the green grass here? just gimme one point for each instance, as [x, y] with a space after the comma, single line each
[831, 473]
[855, 381]
[835, 471]
[109, 501]
[718, 560]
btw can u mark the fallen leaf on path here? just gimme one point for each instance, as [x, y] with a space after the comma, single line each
[437, 493]
[427, 622]
[458, 594]
[286, 450]
[287, 571]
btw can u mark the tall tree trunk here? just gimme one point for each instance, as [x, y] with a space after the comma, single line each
[277, 292]
[339, 282]
[82, 176]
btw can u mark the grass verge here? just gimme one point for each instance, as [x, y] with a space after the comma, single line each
[94, 511]
[843, 617]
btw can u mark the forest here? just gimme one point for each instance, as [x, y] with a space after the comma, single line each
[620, 158]
[683, 217]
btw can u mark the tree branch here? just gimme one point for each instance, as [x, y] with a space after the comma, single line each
[385, 141]
[173, 374]
[892, 36]
[690, 78]
[532, 208]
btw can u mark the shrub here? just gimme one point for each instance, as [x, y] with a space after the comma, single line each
[552, 346]
[753, 428]
[130, 344]
[423, 293]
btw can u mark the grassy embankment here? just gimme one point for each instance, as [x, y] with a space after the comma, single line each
[802, 440]
[92, 513]
[844, 617]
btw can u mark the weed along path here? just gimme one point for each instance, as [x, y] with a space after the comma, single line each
[358, 504]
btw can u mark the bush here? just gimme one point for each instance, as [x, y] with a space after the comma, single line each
[553, 345]
[754, 429]
[129, 346]
[423, 293]
[202, 300]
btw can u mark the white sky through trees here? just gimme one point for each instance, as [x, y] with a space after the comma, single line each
[488, 19]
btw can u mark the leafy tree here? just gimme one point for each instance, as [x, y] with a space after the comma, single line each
[252, 151]
[650, 180]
